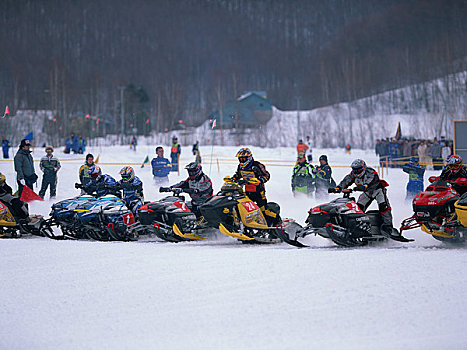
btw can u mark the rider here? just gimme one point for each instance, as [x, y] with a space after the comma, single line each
[101, 184]
[255, 175]
[455, 170]
[199, 186]
[132, 188]
[367, 180]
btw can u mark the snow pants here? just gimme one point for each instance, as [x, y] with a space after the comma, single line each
[46, 182]
[366, 198]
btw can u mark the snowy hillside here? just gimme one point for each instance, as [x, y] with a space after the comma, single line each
[220, 294]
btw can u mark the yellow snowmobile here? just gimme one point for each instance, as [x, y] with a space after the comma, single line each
[11, 227]
[236, 215]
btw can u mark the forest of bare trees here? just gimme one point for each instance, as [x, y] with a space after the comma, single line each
[168, 60]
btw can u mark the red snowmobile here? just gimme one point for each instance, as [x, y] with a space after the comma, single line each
[440, 211]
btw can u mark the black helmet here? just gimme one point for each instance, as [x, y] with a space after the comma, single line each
[358, 167]
[323, 157]
[194, 169]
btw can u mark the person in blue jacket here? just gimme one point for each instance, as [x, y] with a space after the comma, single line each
[74, 143]
[68, 144]
[416, 172]
[5, 148]
[160, 168]
[100, 184]
[132, 188]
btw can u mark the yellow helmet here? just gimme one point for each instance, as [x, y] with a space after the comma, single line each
[245, 157]
[2, 179]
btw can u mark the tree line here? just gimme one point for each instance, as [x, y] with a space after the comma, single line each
[168, 60]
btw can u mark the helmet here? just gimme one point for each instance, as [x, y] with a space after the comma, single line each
[301, 155]
[323, 157]
[94, 172]
[2, 179]
[49, 148]
[244, 157]
[358, 167]
[194, 169]
[413, 160]
[454, 162]
[127, 173]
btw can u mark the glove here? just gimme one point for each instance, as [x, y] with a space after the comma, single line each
[22, 182]
[242, 182]
[335, 189]
[164, 189]
[360, 188]
[177, 190]
[77, 185]
[254, 181]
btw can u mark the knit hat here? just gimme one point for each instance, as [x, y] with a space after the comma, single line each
[24, 142]
[323, 157]
[49, 148]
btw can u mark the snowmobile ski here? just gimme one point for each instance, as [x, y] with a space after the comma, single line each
[279, 233]
[234, 234]
[190, 236]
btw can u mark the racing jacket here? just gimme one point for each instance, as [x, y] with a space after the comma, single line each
[201, 185]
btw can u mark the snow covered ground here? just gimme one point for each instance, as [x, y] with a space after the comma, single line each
[221, 294]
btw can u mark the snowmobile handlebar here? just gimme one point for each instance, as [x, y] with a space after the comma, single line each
[177, 191]
[462, 181]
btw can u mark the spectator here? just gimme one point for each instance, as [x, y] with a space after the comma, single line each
[6, 148]
[436, 155]
[49, 166]
[133, 143]
[310, 150]
[416, 172]
[301, 147]
[160, 168]
[196, 153]
[175, 152]
[303, 179]
[24, 166]
[81, 145]
[421, 151]
[323, 179]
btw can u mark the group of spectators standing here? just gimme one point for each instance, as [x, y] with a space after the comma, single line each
[307, 178]
[395, 153]
[75, 144]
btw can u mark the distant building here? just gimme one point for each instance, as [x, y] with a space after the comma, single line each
[249, 110]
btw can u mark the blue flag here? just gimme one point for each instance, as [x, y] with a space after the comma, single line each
[29, 136]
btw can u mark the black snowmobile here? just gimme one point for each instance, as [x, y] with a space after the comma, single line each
[170, 218]
[342, 221]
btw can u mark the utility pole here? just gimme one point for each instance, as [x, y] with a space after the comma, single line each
[298, 118]
[122, 122]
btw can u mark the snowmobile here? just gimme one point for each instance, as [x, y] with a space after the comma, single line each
[440, 211]
[63, 216]
[342, 221]
[14, 226]
[235, 215]
[105, 219]
[170, 218]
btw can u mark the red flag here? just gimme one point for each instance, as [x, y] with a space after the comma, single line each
[214, 124]
[7, 111]
[29, 195]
